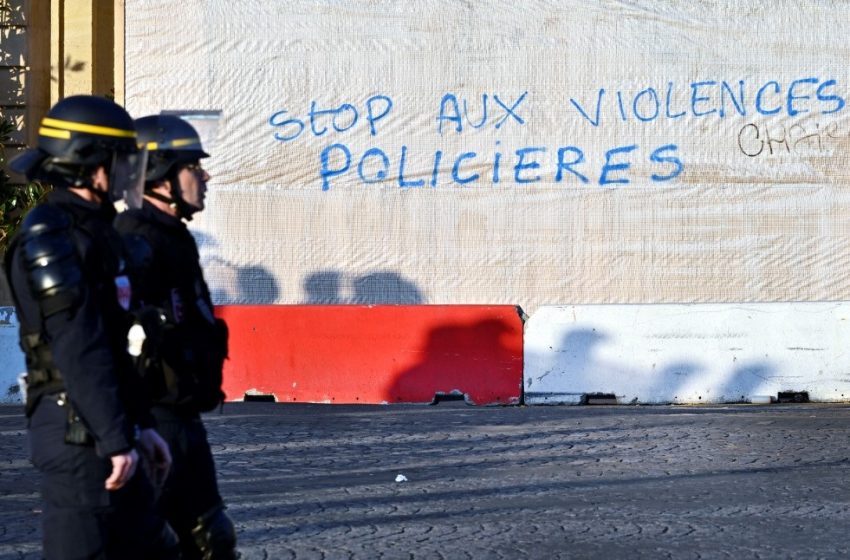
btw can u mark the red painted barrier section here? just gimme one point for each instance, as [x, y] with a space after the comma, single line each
[374, 354]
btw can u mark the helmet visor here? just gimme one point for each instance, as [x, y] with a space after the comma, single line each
[28, 163]
[127, 179]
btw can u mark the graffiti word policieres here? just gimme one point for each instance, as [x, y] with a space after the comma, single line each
[529, 164]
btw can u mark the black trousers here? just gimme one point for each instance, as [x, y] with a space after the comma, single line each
[191, 489]
[81, 519]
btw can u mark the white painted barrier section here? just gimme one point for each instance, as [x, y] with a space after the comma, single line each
[688, 353]
[11, 358]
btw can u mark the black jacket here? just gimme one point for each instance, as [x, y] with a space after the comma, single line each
[193, 345]
[88, 340]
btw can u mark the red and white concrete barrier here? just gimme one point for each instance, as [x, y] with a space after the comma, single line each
[670, 353]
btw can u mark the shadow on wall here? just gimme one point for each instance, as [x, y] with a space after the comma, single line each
[463, 359]
[578, 359]
[233, 284]
[330, 287]
[250, 284]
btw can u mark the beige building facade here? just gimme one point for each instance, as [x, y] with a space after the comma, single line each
[51, 49]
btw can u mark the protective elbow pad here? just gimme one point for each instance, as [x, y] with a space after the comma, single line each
[50, 259]
[215, 536]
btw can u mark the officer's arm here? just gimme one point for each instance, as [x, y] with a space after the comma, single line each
[81, 351]
[157, 455]
[123, 468]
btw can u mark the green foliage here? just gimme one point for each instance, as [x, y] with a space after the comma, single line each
[6, 130]
[15, 199]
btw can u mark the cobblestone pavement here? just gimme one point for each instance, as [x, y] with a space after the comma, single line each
[315, 482]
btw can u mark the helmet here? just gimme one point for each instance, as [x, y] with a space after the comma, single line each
[79, 131]
[78, 134]
[170, 141]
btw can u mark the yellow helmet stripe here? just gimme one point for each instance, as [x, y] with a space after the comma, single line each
[183, 142]
[89, 128]
[53, 133]
[178, 143]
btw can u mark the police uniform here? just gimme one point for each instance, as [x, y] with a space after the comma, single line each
[175, 284]
[185, 351]
[84, 403]
[79, 370]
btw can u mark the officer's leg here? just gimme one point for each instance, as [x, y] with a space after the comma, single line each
[135, 529]
[75, 503]
[71, 530]
[191, 499]
[214, 532]
[81, 518]
[175, 502]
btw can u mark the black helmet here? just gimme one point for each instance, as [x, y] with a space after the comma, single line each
[170, 141]
[79, 132]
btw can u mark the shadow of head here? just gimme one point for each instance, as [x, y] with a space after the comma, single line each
[323, 287]
[257, 285]
[385, 287]
[583, 339]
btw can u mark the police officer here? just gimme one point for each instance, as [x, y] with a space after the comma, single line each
[87, 418]
[184, 353]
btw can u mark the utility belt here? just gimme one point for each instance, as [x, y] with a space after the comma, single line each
[43, 377]
[45, 381]
[75, 431]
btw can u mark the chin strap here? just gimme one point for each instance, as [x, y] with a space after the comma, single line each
[183, 209]
[161, 197]
[175, 201]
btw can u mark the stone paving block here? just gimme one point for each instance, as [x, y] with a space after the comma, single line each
[314, 481]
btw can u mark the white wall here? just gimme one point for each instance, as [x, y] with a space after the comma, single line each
[713, 139]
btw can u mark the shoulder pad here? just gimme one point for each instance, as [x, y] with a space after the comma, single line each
[44, 218]
[50, 258]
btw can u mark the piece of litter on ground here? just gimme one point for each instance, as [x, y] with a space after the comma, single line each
[400, 478]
